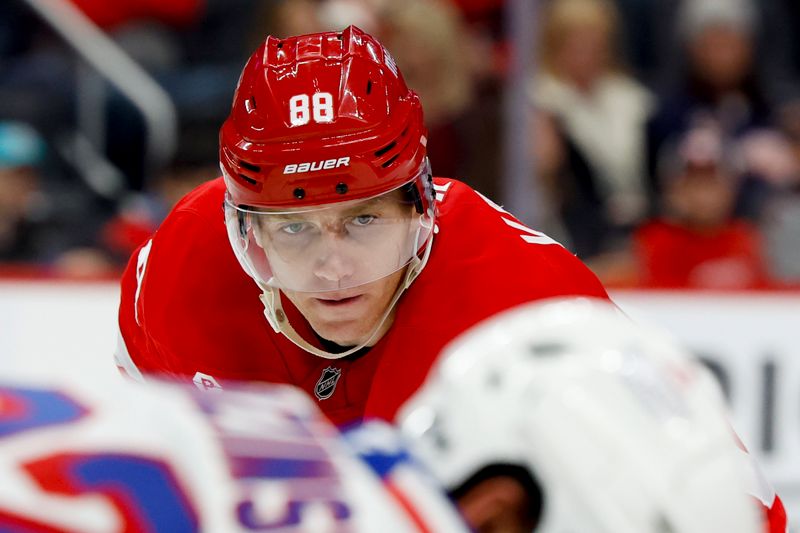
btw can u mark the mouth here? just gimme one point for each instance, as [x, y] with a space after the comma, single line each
[338, 302]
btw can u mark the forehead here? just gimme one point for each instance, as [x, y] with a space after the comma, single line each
[392, 200]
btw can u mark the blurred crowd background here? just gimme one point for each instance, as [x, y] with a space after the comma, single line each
[663, 135]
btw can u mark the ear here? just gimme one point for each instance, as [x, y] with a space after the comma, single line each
[496, 505]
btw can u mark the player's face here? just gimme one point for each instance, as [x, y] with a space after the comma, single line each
[337, 247]
[349, 317]
[348, 260]
[340, 264]
[341, 247]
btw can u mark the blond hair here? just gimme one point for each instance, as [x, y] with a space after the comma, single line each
[437, 27]
[562, 17]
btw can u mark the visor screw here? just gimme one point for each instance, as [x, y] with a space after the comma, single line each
[279, 315]
[299, 193]
[341, 187]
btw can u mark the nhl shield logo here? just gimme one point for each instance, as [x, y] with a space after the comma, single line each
[206, 382]
[326, 384]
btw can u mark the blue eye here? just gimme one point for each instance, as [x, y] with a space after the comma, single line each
[293, 228]
[364, 220]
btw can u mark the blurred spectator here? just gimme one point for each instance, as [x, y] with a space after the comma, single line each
[140, 214]
[698, 243]
[22, 204]
[488, 54]
[298, 17]
[572, 210]
[653, 34]
[487, 49]
[137, 217]
[429, 42]
[718, 82]
[781, 219]
[601, 113]
[40, 228]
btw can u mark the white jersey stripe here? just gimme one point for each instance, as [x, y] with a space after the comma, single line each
[141, 264]
[440, 190]
[124, 362]
[534, 236]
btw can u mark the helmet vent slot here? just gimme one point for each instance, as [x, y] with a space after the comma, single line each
[390, 161]
[369, 86]
[385, 149]
[250, 166]
[248, 179]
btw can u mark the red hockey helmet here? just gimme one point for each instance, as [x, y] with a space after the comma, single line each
[318, 119]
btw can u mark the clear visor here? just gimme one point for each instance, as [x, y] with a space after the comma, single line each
[330, 247]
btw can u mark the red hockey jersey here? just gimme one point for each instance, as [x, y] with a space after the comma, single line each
[187, 308]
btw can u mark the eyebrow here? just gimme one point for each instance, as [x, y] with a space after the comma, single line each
[302, 215]
[369, 204]
[286, 217]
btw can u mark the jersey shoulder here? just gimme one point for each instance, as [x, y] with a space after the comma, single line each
[201, 208]
[192, 235]
[207, 195]
[183, 288]
[484, 247]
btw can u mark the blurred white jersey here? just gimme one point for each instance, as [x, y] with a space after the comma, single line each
[122, 457]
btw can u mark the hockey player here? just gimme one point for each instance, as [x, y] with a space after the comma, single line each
[118, 457]
[327, 215]
[565, 416]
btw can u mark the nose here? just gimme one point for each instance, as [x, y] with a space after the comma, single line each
[334, 264]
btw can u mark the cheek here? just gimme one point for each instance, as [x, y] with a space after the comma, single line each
[293, 297]
[389, 285]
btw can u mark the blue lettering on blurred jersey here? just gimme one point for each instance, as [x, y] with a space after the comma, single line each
[26, 409]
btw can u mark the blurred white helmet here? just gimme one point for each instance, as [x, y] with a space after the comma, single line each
[621, 431]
